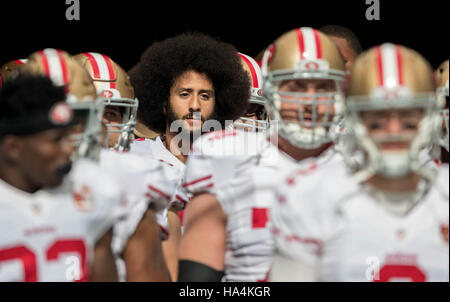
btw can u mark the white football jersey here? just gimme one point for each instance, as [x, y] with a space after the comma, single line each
[154, 148]
[51, 235]
[145, 182]
[239, 168]
[327, 220]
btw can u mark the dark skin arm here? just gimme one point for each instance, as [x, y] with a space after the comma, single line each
[171, 245]
[104, 268]
[143, 254]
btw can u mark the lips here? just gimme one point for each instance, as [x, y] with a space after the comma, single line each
[394, 146]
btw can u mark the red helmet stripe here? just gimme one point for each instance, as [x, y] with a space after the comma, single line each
[399, 56]
[94, 65]
[318, 44]
[379, 64]
[19, 62]
[63, 68]
[252, 71]
[45, 63]
[301, 42]
[110, 71]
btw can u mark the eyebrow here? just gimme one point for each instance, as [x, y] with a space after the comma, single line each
[191, 90]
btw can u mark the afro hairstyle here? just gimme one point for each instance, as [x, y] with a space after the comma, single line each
[166, 60]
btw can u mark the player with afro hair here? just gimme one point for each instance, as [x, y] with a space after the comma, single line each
[165, 61]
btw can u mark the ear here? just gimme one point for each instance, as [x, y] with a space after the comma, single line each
[11, 147]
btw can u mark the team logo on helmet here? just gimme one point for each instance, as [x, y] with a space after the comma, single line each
[61, 114]
[107, 94]
[312, 65]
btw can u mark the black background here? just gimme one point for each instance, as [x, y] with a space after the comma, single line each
[124, 29]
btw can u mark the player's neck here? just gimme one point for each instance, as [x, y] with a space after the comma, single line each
[300, 154]
[406, 184]
[178, 150]
[16, 179]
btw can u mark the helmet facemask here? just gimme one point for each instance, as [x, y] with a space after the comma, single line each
[317, 114]
[443, 139]
[87, 140]
[366, 114]
[128, 109]
[256, 108]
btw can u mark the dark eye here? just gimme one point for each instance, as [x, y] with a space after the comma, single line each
[375, 126]
[111, 115]
[410, 126]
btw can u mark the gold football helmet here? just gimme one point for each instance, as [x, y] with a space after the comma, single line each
[63, 70]
[442, 92]
[114, 86]
[387, 79]
[142, 131]
[9, 70]
[256, 102]
[304, 55]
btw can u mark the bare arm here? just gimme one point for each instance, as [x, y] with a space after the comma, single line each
[104, 268]
[171, 245]
[143, 255]
[204, 236]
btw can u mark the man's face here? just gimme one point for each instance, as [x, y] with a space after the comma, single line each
[111, 115]
[347, 54]
[392, 130]
[43, 156]
[192, 100]
[301, 105]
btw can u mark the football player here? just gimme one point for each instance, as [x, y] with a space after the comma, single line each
[186, 85]
[228, 231]
[255, 118]
[52, 229]
[140, 130]
[442, 92]
[347, 42]
[143, 182]
[119, 118]
[388, 219]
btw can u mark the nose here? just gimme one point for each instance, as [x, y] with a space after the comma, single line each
[67, 148]
[194, 104]
[394, 124]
